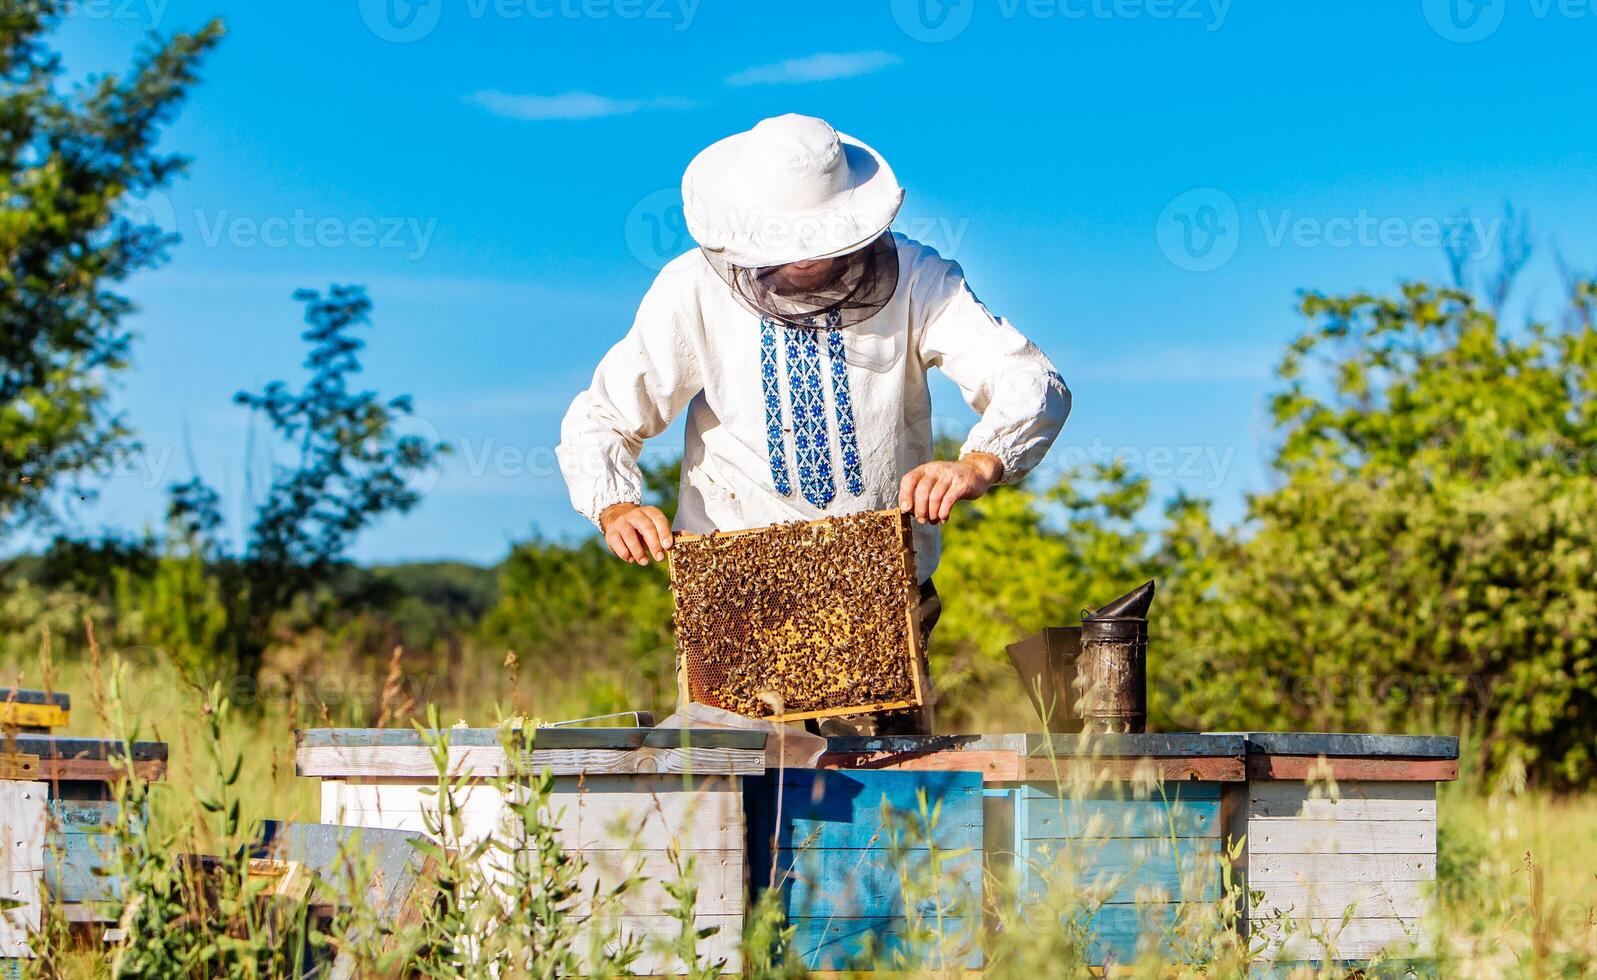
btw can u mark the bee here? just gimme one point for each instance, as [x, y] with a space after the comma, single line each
[814, 616]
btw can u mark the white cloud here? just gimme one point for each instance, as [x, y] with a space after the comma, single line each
[568, 105]
[816, 68]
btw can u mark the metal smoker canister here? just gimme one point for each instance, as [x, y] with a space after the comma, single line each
[1112, 668]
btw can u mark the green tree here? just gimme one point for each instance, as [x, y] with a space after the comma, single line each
[1429, 552]
[351, 465]
[69, 163]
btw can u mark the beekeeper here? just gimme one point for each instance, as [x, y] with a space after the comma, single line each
[798, 337]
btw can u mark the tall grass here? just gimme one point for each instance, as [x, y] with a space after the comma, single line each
[1516, 890]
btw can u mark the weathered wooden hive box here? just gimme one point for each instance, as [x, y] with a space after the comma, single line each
[880, 866]
[1134, 828]
[1339, 831]
[58, 815]
[622, 799]
[1128, 825]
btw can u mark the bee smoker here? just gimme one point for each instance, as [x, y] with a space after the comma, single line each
[1112, 668]
[1092, 677]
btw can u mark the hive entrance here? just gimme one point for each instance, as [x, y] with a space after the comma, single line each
[819, 618]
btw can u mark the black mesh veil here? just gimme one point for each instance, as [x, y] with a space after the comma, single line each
[862, 283]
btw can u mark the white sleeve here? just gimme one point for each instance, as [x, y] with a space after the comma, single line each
[1005, 378]
[643, 383]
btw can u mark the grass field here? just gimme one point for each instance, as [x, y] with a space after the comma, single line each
[1517, 867]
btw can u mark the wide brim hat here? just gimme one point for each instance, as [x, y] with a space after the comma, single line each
[790, 189]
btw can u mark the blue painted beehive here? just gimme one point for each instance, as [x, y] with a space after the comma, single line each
[879, 868]
[1115, 834]
[1127, 858]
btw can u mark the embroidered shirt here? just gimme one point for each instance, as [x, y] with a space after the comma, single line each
[788, 424]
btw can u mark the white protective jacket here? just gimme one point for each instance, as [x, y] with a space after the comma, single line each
[786, 424]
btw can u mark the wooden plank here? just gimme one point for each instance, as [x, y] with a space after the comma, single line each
[603, 812]
[1333, 899]
[1331, 939]
[489, 761]
[1060, 818]
[1390, 769]
[60, 747]
[22, 829]
[1355, 801]
[838, 944]
[23, 912]
[995, 767]
[1289, 835]
[844, 809]
[1265, 869]
[718, 874]
[17, 695]
[1123, 792]
[22, 826]
[406, 797]
[1227, 769]
[82, 816]
[616, 739]
[1122, 871]
[20, 766]
[998, 834]
[37, 716]
[854, 709]
[398, 878]
[864, 884]
[1333, 744]
[77, 868]
[658, 935]
[896, 744]
[1140, 745]
[1120, 934]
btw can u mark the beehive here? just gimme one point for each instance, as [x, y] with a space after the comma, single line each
[862, 868]
[801, 620]
[629, 801]
[1339, 862]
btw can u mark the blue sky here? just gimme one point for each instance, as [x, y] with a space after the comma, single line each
[1141, 185]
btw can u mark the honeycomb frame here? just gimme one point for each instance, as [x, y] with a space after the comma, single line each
[751, 605]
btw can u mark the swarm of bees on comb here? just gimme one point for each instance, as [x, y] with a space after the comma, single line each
[800, 620]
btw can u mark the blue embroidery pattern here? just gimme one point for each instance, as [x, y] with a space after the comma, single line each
[774, 443]
[807, 404]
[812, 446]
[848, 440]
